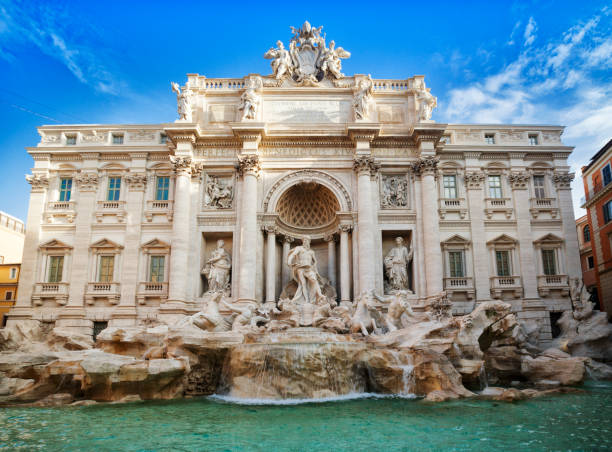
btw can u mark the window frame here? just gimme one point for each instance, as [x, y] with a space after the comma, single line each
[7, 297]
[65, 192]
[13, 273]
[508, 253]
[163, 138]
[71, 139]
[166, 188]
[533, 139]
[106, 277]
[586, 233]
[113, 188]
[117, 138]
[454, 187]
[607, 212]
[58, 273]
[539, 188]
[489, 138]
[490, 187]
[156, 258]
[552, 253]
[590, 262]
[603, 174]
[452, 265]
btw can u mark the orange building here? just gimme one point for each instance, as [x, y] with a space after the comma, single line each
[597, 178]
[9, 280]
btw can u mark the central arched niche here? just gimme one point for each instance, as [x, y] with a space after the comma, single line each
[308, 206]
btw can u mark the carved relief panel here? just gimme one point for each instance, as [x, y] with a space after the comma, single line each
[218, 191]
[394, 191]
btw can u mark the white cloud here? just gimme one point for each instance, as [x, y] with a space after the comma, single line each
[530, 32]
[514, 30]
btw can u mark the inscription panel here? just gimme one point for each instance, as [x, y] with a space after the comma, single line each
[307, 111]
[221, 113]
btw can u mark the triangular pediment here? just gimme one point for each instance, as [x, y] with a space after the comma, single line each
[155, 243]
[457, 240]
[502, 240]
[106, 244]
[55, 244]
[549, 239]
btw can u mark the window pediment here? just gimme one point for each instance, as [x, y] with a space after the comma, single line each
[105, 245]
[156, 245]
[456, 241]
[549, 239]
[55, 245]
[502, 240]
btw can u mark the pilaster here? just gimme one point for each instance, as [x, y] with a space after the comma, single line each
[474, 182]
[562, 181]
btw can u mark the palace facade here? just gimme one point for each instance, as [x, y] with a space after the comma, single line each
[123, 219]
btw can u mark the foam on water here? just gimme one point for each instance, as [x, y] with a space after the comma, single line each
[340, 398]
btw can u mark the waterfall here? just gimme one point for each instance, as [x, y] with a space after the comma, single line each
[482, 378]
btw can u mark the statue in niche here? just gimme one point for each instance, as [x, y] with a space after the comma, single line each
[217, 269]
[362, 97]
[249, 101]
[218, 196]
[329, 60]
[396, 266]
[394, 192]
[303, 264]
[427, 102]
[183, 101]
[281, 61]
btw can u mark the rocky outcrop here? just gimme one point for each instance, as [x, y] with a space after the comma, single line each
[586, 333]
[503, 364]
[554, 365]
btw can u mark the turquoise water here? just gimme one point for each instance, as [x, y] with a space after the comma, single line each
[566, 422]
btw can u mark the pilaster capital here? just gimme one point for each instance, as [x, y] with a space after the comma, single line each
[39, 182]
[518, 180]
[248, 164]
[330, 238]
[181, 165]
[269, 229]
[474, 179]
[87, 181]
[288, 239]
[425, 166]
[196, 170]
[366, 164]
[563, 180]
[345, 227]
[136, 181]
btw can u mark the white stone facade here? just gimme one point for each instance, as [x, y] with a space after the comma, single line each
[260, 161]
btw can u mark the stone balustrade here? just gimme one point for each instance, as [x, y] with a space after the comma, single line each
[501, 284]
[548, 283]
[57, 291]
[110, 291]
[148, 289]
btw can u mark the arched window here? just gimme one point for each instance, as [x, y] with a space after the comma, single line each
[586, 232]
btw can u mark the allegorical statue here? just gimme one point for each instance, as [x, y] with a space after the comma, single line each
[217, 269]
[361, 99]
[281, 60]
[330, 59]
[396, 265]
[183, 103]
[427, 102]
[249, 101]
[303, 264]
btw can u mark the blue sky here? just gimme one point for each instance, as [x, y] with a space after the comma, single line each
[543, 62]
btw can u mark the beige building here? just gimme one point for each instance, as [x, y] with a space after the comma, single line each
[12, 235]
[124, 219]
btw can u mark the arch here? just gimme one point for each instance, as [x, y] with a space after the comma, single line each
[160, 166]
[540, 165]
[284, 183]
[496, 165]
[114, 167]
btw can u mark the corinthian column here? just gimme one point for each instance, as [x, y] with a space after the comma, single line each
[345, 264]
[284, 267]
[331, 259]
[179, 255]
[271, 264]
[427, 168]
[248, 169]
[365, 167]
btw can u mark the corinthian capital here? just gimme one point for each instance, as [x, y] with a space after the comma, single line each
[425, 165]
[563, 180]
[87, 181]
[248, 164]
[474, 179]
[365, 164]
[182, 165]
[518, 180]
[136, 181]
[38, 182]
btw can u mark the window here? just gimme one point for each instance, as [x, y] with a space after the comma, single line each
[107, 269]
[606, 174]
[117, 139]
[65, 189]
[586, 233]
[455, 264]
[533, 140]
[70, 140]
[490, 138]
[8, 295]
[548, 262]
[13, 273]
[495, 189]
[114, 189]
[607, 211]
[163, 138]
[590, 262]
[450, 186]
[156, 270]
[56, 265]
[161, 192]
[538, 187]
[502, 259]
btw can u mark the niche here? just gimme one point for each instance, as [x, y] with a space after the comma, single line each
[388, 243]
[209, 245]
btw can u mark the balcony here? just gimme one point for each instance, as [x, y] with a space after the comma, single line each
[498, 205]
[460, 285]
[549, 283]
[159, 208]
[541, 205]
[111, 209]
[148, 289]
[508, 284]
[60, 210]
[111, 291]
[452, 205]
[57, 291]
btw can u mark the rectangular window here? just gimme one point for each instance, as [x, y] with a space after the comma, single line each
[8, 295]
[65, 189]
[161, 192]
[107, 269]
[114, 189]
[606, 174]
[156, 271]
[70, 140]
[117, 139]
[455, 264]
[607, 211]
[13, 273]
[533, 140]
[490, 138]
[450, 186]
[590, 262]
[495, 188]
[538, 187]
[163, 138]
[56, 266]
[548, 262]
[502, 259]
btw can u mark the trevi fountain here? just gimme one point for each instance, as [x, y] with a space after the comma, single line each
[258, 308]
